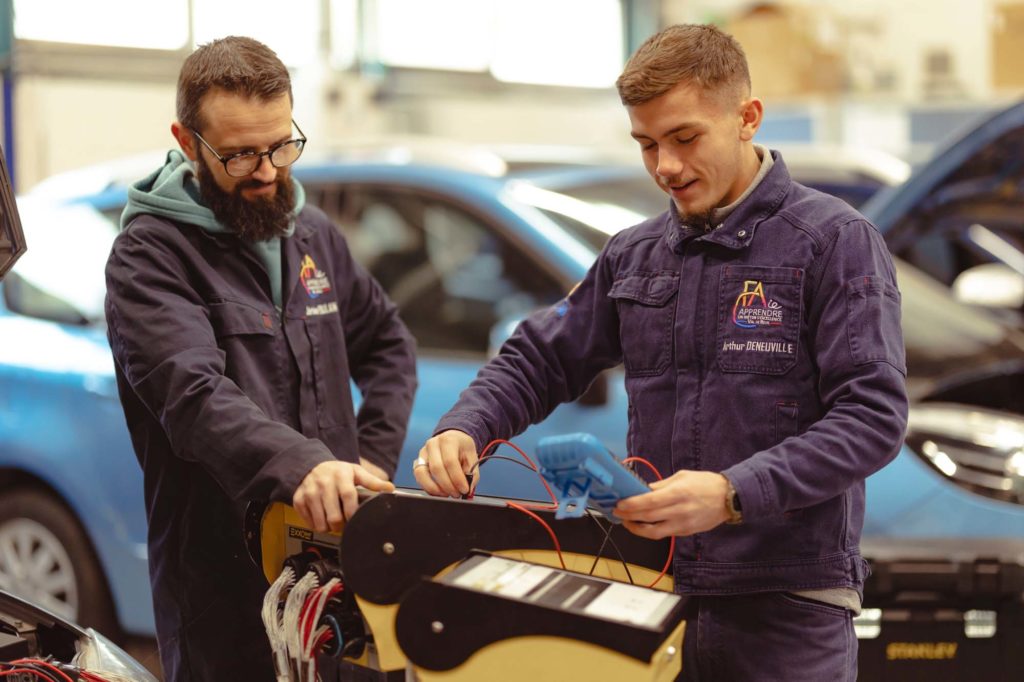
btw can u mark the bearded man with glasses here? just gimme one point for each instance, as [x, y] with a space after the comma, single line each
[237, 318]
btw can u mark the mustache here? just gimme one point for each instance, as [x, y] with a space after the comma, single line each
[252, 183]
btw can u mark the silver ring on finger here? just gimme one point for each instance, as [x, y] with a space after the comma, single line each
[420, 462]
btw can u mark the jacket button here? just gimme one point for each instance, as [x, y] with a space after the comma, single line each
[741, 233]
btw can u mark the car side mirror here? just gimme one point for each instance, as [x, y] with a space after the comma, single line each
[23, 298]
[993, 285]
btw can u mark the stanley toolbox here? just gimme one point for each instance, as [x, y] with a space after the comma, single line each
[945, 612]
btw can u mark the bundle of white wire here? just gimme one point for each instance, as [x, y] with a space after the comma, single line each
[273, 621]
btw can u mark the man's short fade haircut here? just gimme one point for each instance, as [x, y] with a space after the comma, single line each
[696, 53]
[235, 64]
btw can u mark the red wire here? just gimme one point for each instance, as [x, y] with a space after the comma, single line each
[307, 627]
[672, 541]
[554, 538]
[643, 461]
[92, 677]
[44, 664]
[501, 441]
[324, 639]
[554, 502]
[22, 671]
[307, 606]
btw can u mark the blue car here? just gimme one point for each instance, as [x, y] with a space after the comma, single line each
[466, 249]
[960, 218]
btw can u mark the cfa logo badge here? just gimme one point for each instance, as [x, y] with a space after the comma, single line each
[314, 281]
[753, 309]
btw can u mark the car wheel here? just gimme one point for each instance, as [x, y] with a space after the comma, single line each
[46, 557]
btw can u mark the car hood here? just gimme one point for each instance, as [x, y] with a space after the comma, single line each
[953, 347]
[889, 207]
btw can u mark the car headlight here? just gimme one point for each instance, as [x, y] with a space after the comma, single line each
[980, 450]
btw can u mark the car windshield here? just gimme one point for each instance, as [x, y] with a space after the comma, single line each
[61, 275]
[595, 209]
[595, 203]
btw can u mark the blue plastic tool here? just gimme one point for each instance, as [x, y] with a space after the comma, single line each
[583, 472]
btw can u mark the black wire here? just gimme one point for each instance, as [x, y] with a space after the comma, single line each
[608, 538]
[488, 458]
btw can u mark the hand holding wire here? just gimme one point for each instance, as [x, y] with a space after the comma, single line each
[448, 457]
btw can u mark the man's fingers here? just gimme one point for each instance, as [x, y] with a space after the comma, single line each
[423, 477]
[311, 509]
[346, 490]
[641, 515]
[448, 456]
[644, 502]
[644, 530]
[371, 481]
[332, 509]
[438, 467]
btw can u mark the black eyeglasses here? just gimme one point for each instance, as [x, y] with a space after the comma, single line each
[245, 163]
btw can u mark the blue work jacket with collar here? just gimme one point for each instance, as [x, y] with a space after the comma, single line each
[768, 349]
[227, 399]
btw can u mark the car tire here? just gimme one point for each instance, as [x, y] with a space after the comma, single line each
[38, 532]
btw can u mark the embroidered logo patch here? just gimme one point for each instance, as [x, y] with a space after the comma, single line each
[752, 309]
[314, 281]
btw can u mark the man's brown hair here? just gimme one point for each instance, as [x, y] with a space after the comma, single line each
[238, 65]
[700, 54]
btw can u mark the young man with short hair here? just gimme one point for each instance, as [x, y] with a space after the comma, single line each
[759, 325]
[237, 317]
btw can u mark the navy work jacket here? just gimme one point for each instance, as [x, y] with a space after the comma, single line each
[228, 400]
[768, 349]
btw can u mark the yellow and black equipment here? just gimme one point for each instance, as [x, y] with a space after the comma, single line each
[402, 562]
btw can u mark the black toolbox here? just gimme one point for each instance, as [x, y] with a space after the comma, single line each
[943, 612]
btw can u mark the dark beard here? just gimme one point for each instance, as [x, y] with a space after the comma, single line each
[703, 221]
[257, 220]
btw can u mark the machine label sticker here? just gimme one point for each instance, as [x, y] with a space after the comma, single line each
[314, 281]
[300, 533]
[563, 590]
[753, 309]
[632, 604]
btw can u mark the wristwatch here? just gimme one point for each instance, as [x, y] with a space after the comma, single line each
[732, 504]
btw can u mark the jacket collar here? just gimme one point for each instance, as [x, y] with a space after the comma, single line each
[738, 229]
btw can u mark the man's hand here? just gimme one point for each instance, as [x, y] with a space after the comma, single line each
[685, 503]
[448, 456]
[329, 490]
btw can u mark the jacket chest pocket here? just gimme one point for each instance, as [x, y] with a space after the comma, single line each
[646, 315]
[230, 318]
[759, 317]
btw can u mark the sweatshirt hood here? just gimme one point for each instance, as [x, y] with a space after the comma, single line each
[172, 191]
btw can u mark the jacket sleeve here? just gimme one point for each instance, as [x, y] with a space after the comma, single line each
[551, 358]
[382, 361]
[856, 341]
[164, 344]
